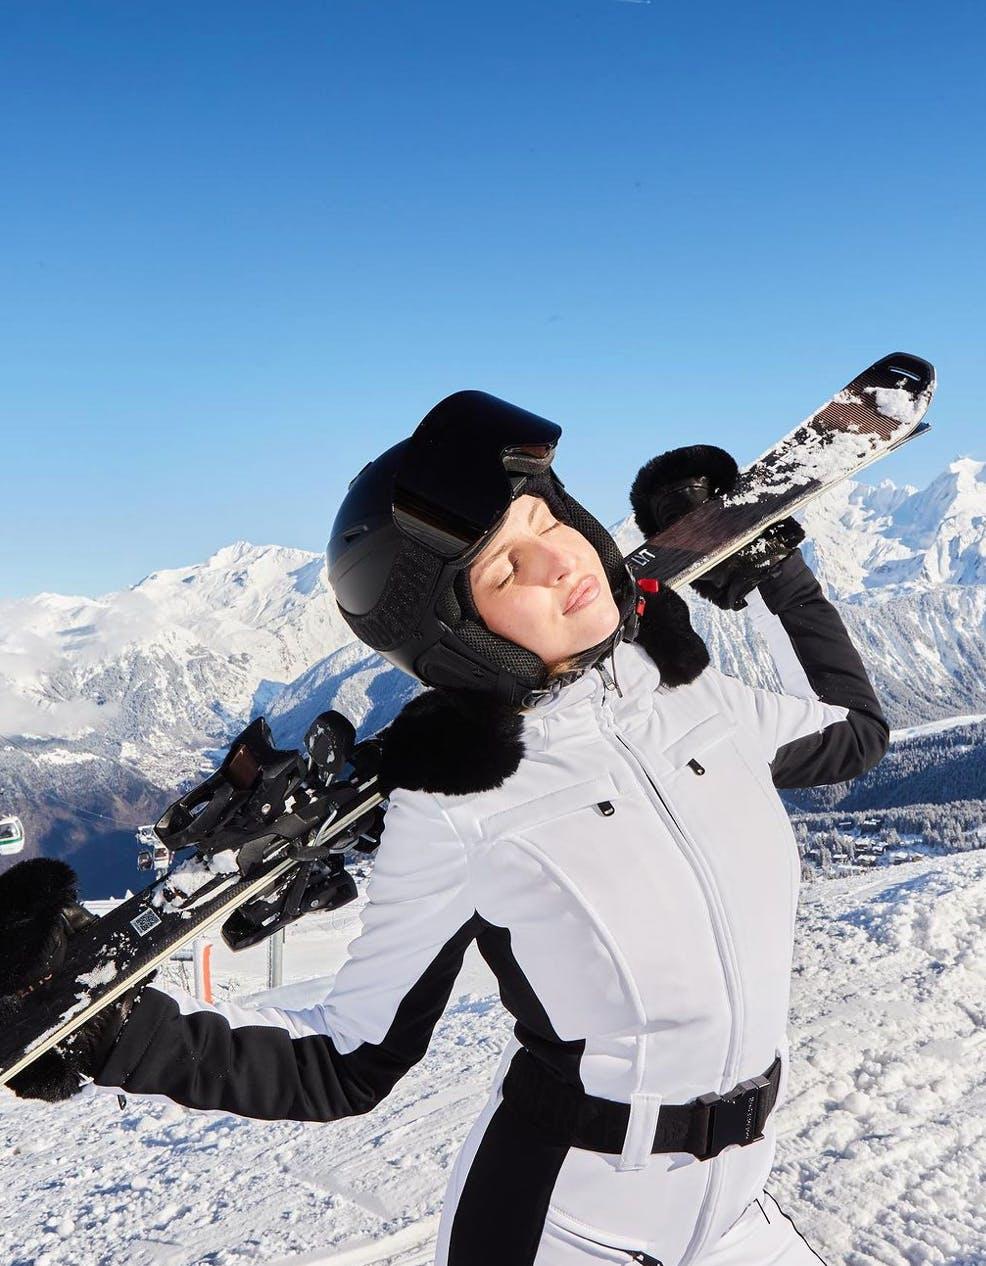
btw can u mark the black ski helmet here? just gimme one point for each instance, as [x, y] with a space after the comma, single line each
[413, 520]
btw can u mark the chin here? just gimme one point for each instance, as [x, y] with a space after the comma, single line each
[601, 625]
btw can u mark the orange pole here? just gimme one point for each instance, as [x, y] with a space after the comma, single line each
[207, 971]
[202, 955]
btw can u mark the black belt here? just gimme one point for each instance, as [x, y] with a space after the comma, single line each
[703, 1126]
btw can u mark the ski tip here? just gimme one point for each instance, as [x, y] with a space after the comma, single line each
[898, 389]
[913, 374]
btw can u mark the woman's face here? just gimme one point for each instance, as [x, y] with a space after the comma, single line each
[541, 584]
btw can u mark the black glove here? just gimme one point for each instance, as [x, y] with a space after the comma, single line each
[39, 912]
[670, 485]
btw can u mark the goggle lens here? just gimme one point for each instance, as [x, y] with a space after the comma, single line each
[463, 466]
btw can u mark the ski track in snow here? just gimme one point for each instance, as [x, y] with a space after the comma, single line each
[881, 1149]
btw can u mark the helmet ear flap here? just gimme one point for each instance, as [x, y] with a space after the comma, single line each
[462, 590]
[529, 670]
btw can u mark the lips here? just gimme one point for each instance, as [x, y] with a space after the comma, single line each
[585, 591]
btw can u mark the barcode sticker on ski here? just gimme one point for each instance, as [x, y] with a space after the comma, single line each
[145, 922]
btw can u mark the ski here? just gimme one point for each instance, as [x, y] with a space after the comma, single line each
[873, 415]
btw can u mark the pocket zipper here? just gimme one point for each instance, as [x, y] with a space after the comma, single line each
[633, 1255]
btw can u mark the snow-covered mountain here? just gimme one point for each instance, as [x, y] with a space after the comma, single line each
[108, 704]
[167, 667]
[871, 538]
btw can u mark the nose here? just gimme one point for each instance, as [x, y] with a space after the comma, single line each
[555, 561]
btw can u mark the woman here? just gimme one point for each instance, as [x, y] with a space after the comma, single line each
[595, 805]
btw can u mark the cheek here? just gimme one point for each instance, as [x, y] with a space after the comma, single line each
[527, 610]
[522, 615]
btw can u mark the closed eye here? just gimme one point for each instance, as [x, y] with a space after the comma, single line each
[508, 576]
[513, 566]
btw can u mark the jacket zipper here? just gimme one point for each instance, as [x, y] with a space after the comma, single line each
[721, 933]
[726, 955]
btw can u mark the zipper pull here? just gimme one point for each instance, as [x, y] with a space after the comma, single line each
[608, 681]
[612, 660]
[695, 767]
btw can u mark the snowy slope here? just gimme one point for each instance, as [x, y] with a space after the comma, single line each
[933, 727]
[882, 1141]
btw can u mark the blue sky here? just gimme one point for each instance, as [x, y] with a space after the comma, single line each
[245, 246]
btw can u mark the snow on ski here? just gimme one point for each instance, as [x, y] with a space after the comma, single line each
[872, 416]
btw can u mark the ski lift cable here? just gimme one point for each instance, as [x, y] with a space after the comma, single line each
[90, 813]
[52, 795]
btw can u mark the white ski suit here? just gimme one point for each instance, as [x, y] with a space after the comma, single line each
[634, 888]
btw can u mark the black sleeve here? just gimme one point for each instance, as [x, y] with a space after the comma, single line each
[341, 1056]
[233, 1061]
[834, 672]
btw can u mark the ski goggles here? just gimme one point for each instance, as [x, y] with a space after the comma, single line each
[463, 466]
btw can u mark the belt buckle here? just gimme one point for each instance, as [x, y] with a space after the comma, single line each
[732, 1116]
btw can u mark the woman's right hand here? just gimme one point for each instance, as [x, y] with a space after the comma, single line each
[671, 485]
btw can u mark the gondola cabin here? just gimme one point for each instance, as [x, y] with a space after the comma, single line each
[11, 835]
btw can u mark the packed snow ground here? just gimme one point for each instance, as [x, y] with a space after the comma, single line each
[882, 1143]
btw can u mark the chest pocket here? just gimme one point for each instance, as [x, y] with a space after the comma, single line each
[722, 790]
[556, 804]
[701, 740]
[743, 750]
[717, 757]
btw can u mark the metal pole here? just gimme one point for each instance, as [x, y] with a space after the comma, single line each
[275, 959]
